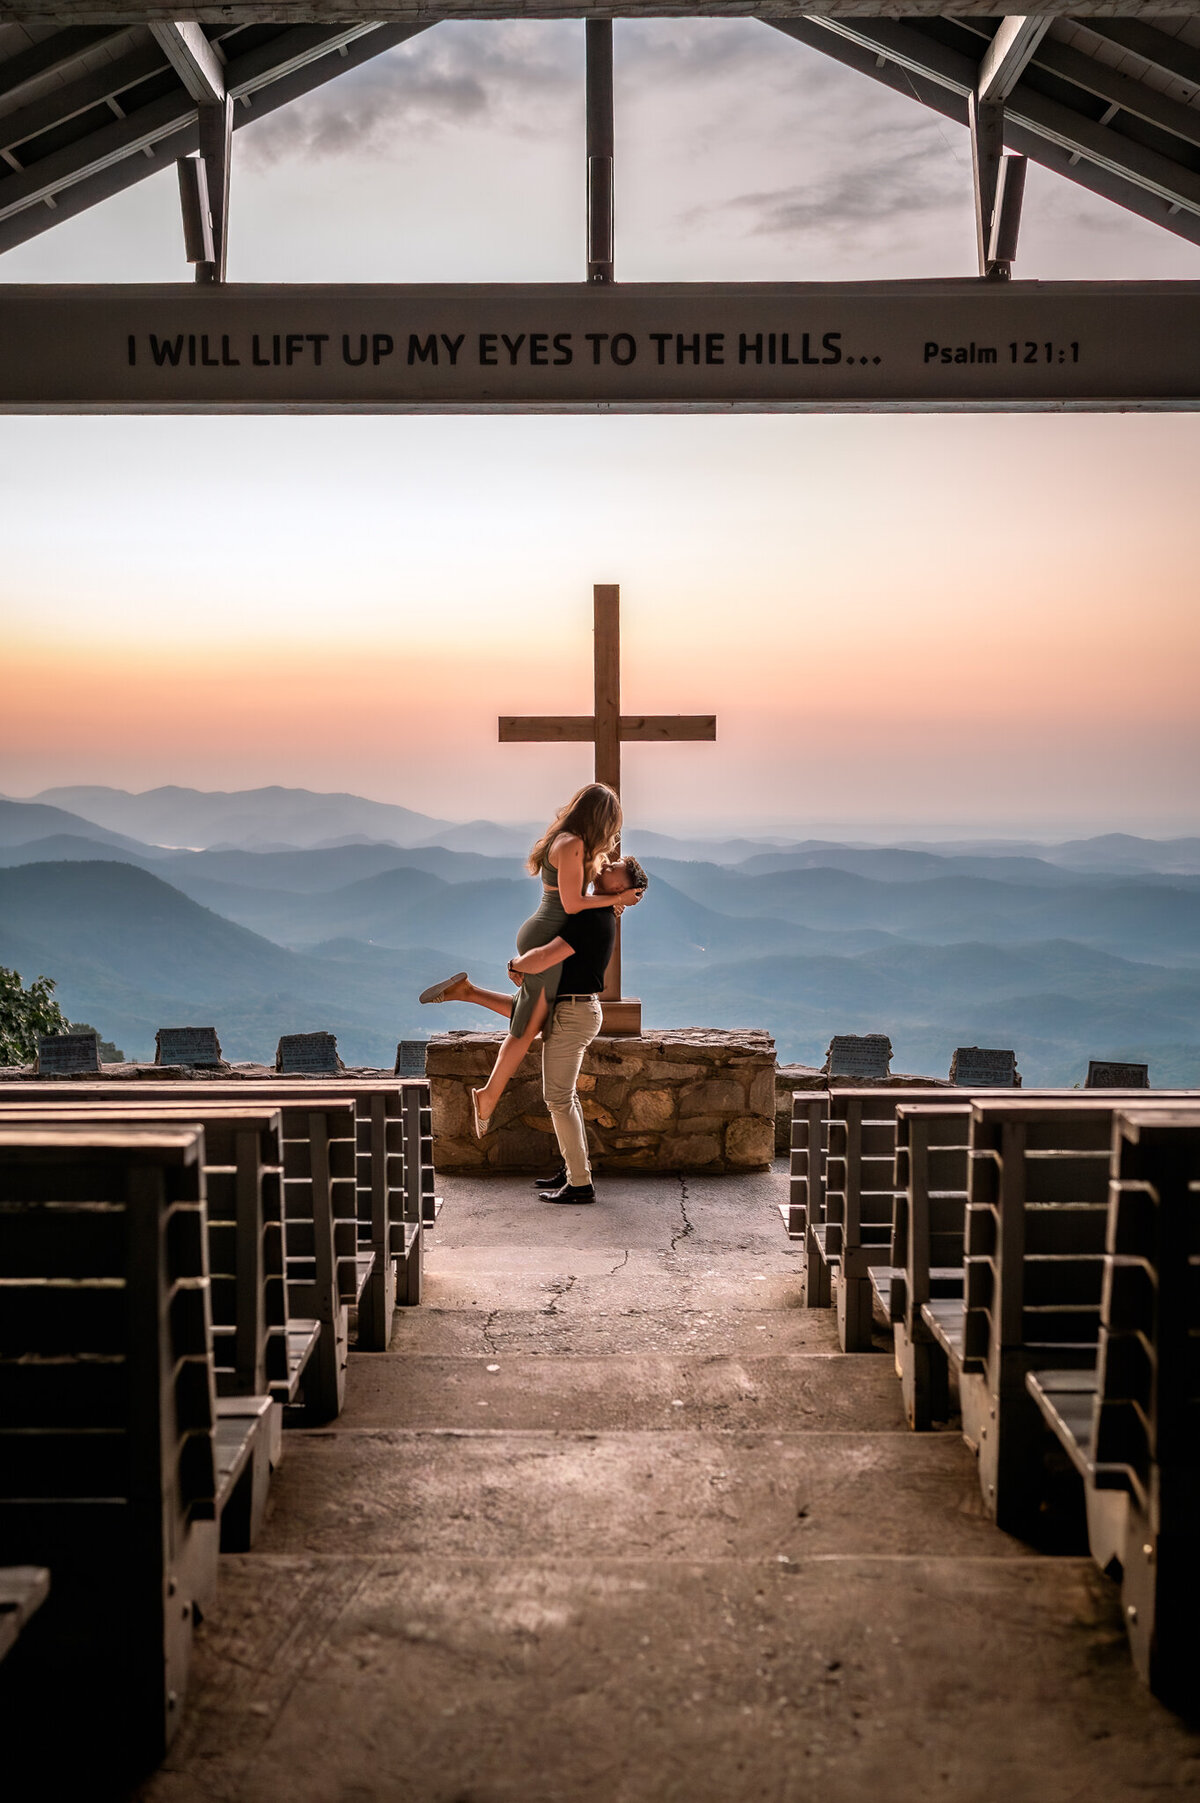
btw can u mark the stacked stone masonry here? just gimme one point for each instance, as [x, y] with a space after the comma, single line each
[682, 1100]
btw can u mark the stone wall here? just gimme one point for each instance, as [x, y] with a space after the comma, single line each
[687, 1099]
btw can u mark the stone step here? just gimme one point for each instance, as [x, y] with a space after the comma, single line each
[659, 1392]
[591, 1278]
[535, 1681]
[563, 1326]
[681, 1495]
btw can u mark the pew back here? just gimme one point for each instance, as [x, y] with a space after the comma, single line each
[324, 1268]
[810, 1111]
[1037, 1221]
[929, 1229]
[860, 1197]
[243, 1170]
[384, 1183]
[1147, 1420]
[107, 1416]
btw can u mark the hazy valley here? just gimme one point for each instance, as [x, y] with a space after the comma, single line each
[277, 910]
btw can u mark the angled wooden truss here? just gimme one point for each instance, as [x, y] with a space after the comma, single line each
[1111, 101]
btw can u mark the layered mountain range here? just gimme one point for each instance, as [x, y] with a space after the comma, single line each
[279, 910]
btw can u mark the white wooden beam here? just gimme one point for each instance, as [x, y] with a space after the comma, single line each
[1008, 53]
[193, 59]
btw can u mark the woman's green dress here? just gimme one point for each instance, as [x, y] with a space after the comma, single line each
[539, 929]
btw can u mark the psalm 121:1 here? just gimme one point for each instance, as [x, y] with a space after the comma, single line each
[1033, 352]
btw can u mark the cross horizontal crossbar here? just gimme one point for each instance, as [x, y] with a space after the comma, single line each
[580, 729]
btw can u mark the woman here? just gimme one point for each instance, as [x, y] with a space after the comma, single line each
[568, 857]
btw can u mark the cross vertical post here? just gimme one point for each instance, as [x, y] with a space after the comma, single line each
[606, 614]
[605, 728]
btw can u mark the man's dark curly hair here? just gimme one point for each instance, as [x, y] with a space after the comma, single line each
[637, 876]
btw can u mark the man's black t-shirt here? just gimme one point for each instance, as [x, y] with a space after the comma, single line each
[591, 934]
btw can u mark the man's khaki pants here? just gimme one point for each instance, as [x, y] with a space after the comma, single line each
[575, 1024]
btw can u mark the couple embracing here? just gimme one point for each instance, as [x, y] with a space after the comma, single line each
[562, 954]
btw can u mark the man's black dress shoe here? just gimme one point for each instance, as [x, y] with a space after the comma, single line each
[555, 1182]
[570, 1192]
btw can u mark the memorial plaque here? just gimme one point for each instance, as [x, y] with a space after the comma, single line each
[308, 1055]
[1105, 1075]
[193, 1046]
[68, 1054]
[978, 1067]
[866, 1055]
[410, 1058]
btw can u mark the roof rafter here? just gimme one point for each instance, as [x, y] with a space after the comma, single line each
[1100, 156]
[1004, 61]
[111, 158]
[193, 59]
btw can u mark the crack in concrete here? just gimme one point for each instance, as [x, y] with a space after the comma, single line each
[557, 1292]
[486, 1330]
[688, 1228]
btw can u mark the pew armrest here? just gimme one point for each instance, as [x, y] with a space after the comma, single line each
[23, 1590]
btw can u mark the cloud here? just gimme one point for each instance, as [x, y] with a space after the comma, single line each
[882, 186]
[526, 78]
[518, 77]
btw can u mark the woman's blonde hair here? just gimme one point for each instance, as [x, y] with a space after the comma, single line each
[593, 814]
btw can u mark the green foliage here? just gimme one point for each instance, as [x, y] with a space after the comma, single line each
[106, 1051]
[24, 1014]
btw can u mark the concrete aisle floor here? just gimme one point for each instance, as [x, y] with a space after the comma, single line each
[615, 1521]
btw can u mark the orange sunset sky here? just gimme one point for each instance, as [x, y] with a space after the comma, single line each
[959, 623]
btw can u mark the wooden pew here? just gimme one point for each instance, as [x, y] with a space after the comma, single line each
[1131, 1422]
[925, 1287]
[925, 1281]
[922, 1293]
[259, 1348]
[810, 1108]
[393, 1172]
[110, 1473]
[326, 1270]
[1033, 1271]
[394, 1181]
[860, 1195]
[418, 1100]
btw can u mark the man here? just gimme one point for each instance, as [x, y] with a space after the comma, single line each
[583, 948]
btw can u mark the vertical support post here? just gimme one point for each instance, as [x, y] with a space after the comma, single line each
[987, 148]
[1006, 221]
[599, 105]
[216, 134]
[606, 603]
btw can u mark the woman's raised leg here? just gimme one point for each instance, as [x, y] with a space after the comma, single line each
[466, 991]
[508, 1061]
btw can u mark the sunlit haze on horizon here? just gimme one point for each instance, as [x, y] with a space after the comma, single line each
[948, 624]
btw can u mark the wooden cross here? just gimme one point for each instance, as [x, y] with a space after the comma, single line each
[607, 729]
